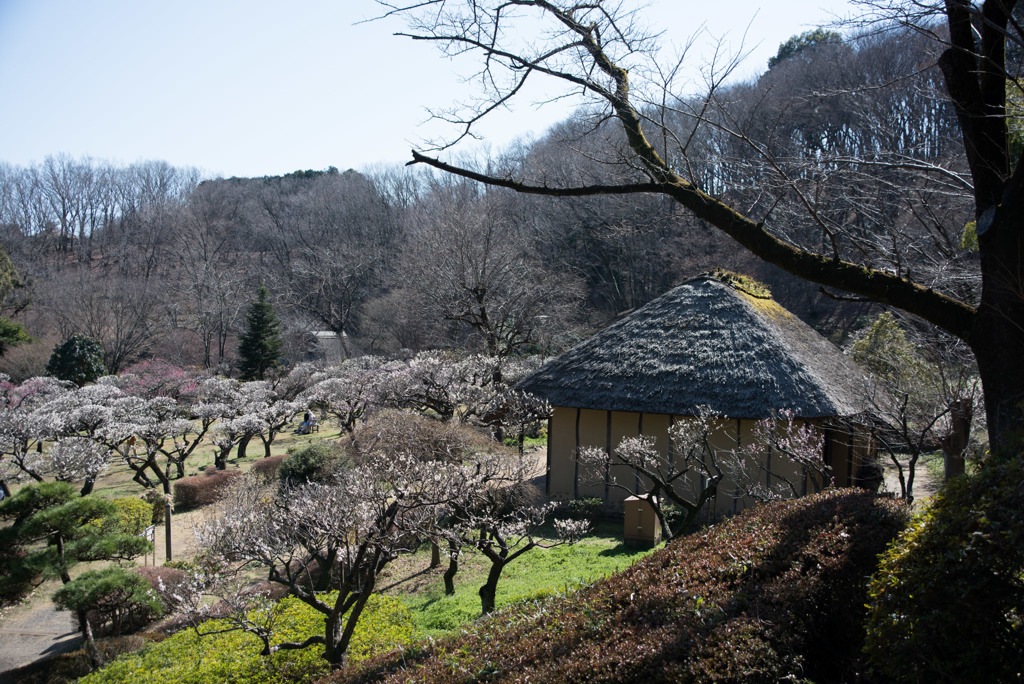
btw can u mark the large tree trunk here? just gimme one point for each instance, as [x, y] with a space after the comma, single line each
[220, 458]
[997, 337]
[1001, 367]
[243, 444]
[453, 567]
[490, 588]
[954, 444]
[976, 83]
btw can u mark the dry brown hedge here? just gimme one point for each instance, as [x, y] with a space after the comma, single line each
[776, 593]
[267, 468]
[196, 491]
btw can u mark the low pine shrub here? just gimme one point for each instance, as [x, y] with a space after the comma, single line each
[774, 594]
[197, 491]
[116, 601]
[947, 602]
[16, 579]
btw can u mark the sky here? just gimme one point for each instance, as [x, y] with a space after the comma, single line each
[254, 88]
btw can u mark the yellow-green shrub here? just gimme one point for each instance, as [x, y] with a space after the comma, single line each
[132, 515]
[187, 658]
[947, 602]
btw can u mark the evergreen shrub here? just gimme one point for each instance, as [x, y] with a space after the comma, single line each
[116, 601]
[947, 602]
[78, 359]
[312, 463]
[588, 509]
[131, 515]
[156, 500]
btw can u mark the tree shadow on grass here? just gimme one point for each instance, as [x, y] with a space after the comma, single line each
[407, 578]
[622, 549]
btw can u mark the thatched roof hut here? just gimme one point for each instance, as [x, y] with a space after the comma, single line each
[715, 345]
[706, 343]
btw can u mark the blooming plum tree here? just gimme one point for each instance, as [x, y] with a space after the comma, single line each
[347, 530]
[798, 441]
[687, 474]
[25, 424]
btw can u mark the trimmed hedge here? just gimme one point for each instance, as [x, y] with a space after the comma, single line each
[267, 469]
[164, 582]
[196, 491]
[947, 602]
[776, 593]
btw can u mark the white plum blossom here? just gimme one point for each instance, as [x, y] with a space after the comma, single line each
[800, 442]
[686, 474]
[349, 528]
[78, 458]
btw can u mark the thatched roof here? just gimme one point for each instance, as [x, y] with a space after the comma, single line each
[705, 343]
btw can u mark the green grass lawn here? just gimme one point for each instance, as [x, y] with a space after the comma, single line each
[537, 574]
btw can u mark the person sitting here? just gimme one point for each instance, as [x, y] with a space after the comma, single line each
[307, 423]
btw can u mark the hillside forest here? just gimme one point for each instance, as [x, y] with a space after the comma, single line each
[160, 262]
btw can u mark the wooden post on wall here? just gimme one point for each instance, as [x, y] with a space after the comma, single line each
[547, 475]
[608, 463]
[576, 460]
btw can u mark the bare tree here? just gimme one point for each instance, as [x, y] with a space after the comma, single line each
[125, 314]
[475, 265]
[209, 291]
[329, 236]
[350, 529]
[596, 50]
[923, 395]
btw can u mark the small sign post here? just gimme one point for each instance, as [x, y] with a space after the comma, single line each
[150, 535]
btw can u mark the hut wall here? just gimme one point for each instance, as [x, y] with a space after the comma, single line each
[571, 428]
[623, 425]
[839, 454]
[593, 432]
[561, 452]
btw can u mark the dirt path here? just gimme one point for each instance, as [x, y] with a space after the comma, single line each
[926, 481]
[33, 631]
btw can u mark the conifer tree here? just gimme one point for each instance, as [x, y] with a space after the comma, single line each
[55, 529]
[260, 346]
